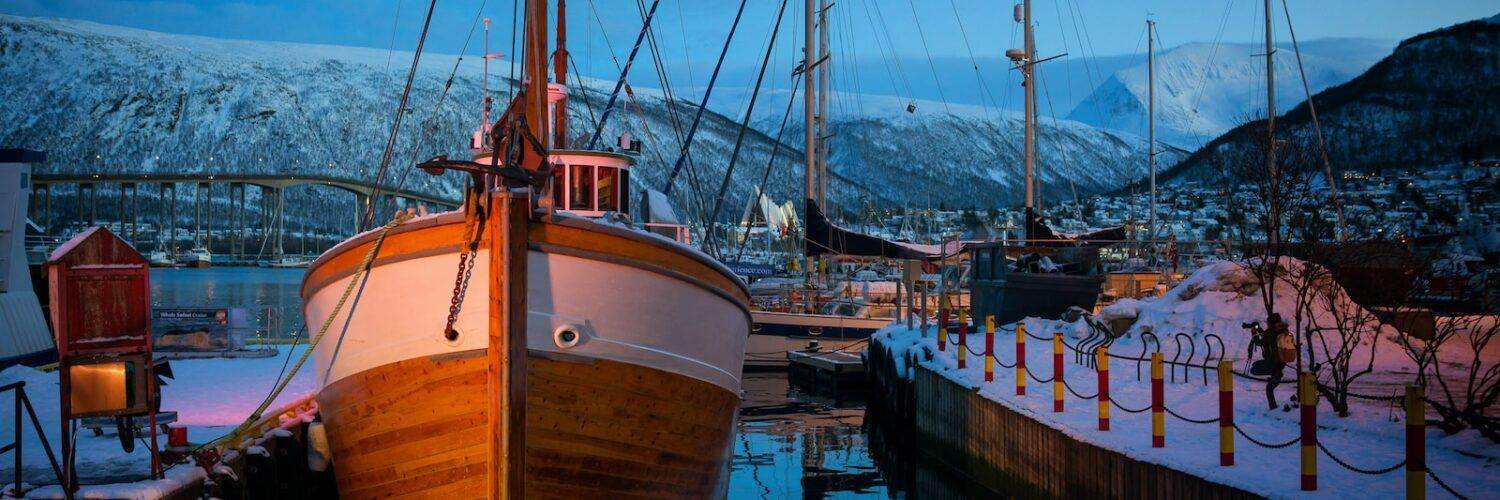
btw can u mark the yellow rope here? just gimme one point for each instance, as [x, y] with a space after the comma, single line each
[327, 323]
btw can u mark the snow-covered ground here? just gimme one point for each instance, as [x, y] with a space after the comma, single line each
[211, 397]
[1371, 437]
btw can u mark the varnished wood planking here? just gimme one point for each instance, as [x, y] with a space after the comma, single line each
[594, 428]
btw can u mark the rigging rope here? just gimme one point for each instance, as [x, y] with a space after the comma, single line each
[427, 125]
[359, 277]
[390, 144]
[1312, 110]
[624, 72]
[775, 149]
[938, 81]
[739, 138]
[698, 117]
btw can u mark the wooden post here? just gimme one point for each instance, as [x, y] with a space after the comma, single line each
[1416, 444]
[1158, 406]
[942, 322]
[923, 310]
[963, 338]
[1020, 359]
[1103, 364]
[1057, 373]
[506, 372]
[989, 348]
[1307, 398]
[1226, 414]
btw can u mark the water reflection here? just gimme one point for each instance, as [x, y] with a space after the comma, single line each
[793, 444]
[270, 294]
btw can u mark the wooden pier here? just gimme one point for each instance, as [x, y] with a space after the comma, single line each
[829, 373]
[1006, 451]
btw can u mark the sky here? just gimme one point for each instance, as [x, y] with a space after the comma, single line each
[899, 47]
[1113, 26]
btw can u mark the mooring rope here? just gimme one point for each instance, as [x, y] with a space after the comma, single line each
[359, 272]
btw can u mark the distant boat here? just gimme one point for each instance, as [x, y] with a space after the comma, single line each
[288, 261]
[160, 258]
[198, 257]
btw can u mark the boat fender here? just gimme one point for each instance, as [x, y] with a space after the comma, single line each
[318, 453]
[567, 336]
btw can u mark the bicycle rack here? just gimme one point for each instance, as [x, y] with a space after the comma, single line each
[1192, 349]
[1209, 355]
[1142, 358]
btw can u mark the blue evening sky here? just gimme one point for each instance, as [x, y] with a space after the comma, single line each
[692, 30]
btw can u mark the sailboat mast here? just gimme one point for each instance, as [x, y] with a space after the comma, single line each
[809, 104]
[823, 57]
[560, 72]
[1151, 120]
[1029, 81]
[1274, 236]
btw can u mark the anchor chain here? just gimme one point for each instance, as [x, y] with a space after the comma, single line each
[466, 260]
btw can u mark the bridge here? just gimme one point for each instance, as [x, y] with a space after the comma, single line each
[271, 188]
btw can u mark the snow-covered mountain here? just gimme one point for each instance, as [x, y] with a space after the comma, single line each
[109, 99]
[1434, 100]
[1203, 89]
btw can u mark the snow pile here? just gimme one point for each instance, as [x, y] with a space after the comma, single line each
[1221, 297]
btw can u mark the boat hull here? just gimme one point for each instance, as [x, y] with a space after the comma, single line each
[593, 428]
[644, 403]
[776, 333]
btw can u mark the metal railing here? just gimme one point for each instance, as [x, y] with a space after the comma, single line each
[15, 446]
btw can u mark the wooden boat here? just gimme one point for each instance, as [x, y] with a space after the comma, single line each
[588, 358]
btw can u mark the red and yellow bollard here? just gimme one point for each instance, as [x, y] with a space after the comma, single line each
[989, 348]
[1307, 397]
[1226, 414]
[1103, 364]
[1416, 443]
[963, 338]
[1020, 359]
[943, 322]
[1057, 373]
[1158, 406]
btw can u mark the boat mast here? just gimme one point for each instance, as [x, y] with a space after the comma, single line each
[560, 72]
[823, 56]
[1274, 237]
[809, 128]
[1151, 122]
[1028, 69]
[534, 80]
[809, 105]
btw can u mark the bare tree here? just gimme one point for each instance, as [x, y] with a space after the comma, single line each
[1471, 384]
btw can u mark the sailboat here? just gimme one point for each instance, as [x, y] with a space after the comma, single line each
[583, 357]
[1051, 273]
[812, 314]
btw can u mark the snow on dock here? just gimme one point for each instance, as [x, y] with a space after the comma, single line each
[1372, 437]
[211, 397]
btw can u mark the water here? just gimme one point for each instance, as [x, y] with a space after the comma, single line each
[790, 444]
[269, 294]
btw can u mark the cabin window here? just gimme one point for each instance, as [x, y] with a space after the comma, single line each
[581, 187]
[559, 186]
[624, 191]
[607, 187]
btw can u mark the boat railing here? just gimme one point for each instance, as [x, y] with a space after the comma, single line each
[23, 402]
[680, 232]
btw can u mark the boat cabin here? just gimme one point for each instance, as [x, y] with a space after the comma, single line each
[590, 183]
